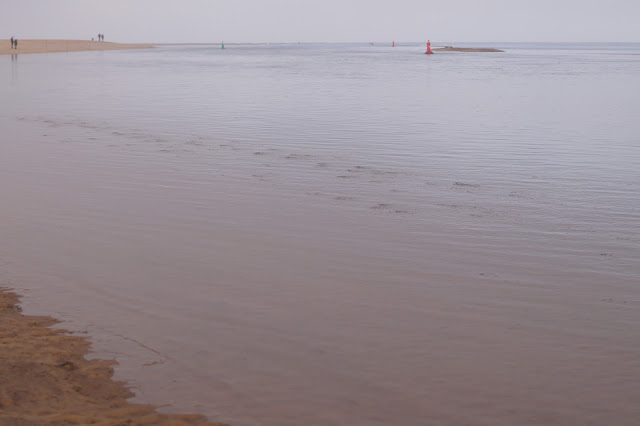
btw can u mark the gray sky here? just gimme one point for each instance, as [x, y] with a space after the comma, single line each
[323, 20]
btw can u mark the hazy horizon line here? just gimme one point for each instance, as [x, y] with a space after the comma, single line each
[339, 42]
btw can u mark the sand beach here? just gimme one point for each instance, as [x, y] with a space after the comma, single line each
[46, 379]
[51, 46]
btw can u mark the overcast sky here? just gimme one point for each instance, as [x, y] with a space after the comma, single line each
[323, 20]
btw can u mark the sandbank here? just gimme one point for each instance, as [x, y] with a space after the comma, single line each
[465, 49]
[51, 46]
[45, 378]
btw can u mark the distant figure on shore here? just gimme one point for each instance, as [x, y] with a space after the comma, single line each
[12, 42]
[15, 43]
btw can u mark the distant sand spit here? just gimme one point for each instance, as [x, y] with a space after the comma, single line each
[465, 49]
[51, 46]
[45, 378]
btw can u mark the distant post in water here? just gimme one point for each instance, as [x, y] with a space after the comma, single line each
[428, 52]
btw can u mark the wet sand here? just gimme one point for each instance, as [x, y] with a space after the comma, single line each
[51, 46]
[45, 378]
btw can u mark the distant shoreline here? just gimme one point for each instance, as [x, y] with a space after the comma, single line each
[55, 46]
[465, 49]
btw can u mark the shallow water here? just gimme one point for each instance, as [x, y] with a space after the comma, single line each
[336, 234]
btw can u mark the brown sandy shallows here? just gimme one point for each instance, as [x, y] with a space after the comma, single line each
[465, 49]
[51, 46]
[46, 380]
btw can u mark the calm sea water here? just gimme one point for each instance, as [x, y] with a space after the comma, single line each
[336, 234]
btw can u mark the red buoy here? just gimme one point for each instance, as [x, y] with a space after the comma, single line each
[428, 52]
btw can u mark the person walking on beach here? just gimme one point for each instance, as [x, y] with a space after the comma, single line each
[12, 42]
[15, 43]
